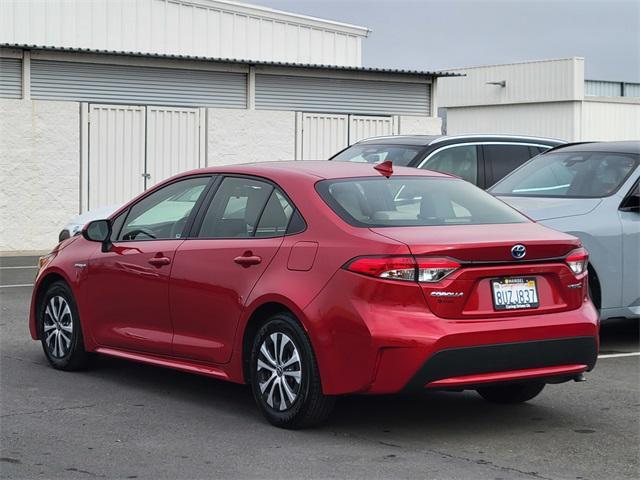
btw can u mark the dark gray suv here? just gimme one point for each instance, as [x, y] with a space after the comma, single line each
[479, 159]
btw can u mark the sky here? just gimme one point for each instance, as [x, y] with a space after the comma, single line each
[436, 34]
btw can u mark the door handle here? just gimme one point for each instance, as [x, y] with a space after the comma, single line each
[159, 261]
[247, 259]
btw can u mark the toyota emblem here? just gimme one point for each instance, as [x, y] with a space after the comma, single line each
[518, 251]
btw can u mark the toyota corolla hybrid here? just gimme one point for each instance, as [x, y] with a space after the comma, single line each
[310, 280]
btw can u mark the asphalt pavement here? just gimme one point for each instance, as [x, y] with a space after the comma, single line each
[126, 420]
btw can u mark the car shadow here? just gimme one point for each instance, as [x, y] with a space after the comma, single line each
[620, 335]
[432, 411]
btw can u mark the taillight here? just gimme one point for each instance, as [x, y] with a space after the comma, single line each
[425, 270]
[431, 270]
[577, 260]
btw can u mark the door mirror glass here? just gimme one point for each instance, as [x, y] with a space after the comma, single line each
[99, 231]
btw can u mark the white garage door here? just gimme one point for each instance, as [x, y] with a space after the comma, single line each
[134, 147]
[174, 142]
[116, 154]
[320, 135]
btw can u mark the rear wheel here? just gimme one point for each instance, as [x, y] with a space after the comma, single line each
[284, 375]
[511, 393]
[60, 331]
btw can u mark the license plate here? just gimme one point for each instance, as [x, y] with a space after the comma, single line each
[514, 293]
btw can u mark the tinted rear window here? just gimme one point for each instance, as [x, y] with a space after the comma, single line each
[410, 201]
[570, 175]
[401, 155]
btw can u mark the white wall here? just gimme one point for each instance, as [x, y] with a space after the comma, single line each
[526, 82]
[555, 120]
[241, 136]
[611, 120]
[415, 125]
[209, 28]
[40, 172]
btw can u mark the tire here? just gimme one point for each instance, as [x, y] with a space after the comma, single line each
[511, 393]
[288, 391]
[60, 330]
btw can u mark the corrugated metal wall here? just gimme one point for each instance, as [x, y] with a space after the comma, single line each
[313, 94]
[527, 82]
[555, 120]
[10, 78]
[610, 121]
[52, 80]
[212, 29]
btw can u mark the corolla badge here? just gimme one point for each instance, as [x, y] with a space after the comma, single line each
[518, 251]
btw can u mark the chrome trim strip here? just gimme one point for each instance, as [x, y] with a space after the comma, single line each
[480, 135]
[465, 144]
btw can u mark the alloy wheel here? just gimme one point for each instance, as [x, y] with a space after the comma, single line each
[58, 327]
[279, 371]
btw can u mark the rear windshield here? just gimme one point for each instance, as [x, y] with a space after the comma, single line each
[413, 201]
[569, 175]
[400, 155]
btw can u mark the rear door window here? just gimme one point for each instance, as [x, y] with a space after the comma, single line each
[503, 159]
[244, 208]
[459, 160]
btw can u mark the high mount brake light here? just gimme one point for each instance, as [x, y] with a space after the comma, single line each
[577, 260]
[423, 270]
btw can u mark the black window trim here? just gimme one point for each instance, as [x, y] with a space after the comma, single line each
[212, 177]
[622, 206]
[204, 206]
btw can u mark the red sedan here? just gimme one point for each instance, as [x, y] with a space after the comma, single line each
[309, 280]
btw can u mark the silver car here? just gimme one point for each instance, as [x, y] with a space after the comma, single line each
[589, 190]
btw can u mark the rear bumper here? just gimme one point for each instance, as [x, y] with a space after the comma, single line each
[381, 338]
[470, 366]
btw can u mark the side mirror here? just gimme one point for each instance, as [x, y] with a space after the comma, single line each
[98, 231]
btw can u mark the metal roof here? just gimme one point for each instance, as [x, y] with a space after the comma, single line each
[434, 73]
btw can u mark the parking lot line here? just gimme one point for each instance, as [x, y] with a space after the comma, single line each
[16, 268]
[616, 355]
[18, 285]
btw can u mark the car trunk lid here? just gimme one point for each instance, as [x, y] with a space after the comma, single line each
[484, 253]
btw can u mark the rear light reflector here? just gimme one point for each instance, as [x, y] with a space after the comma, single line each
[425, 270]
[577, 260]
[395, 268]
[432, 270]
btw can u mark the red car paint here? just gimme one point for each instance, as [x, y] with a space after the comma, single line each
[187, 303]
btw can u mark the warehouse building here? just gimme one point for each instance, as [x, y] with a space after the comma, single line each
[547, 98]
[101, 99]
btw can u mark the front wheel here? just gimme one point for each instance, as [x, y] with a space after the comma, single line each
[60, 331]
[511, 393]
[284, 375]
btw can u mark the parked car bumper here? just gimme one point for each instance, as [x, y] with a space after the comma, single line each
[368, 347]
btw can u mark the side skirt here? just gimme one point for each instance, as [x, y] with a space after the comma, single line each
[176, 364]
